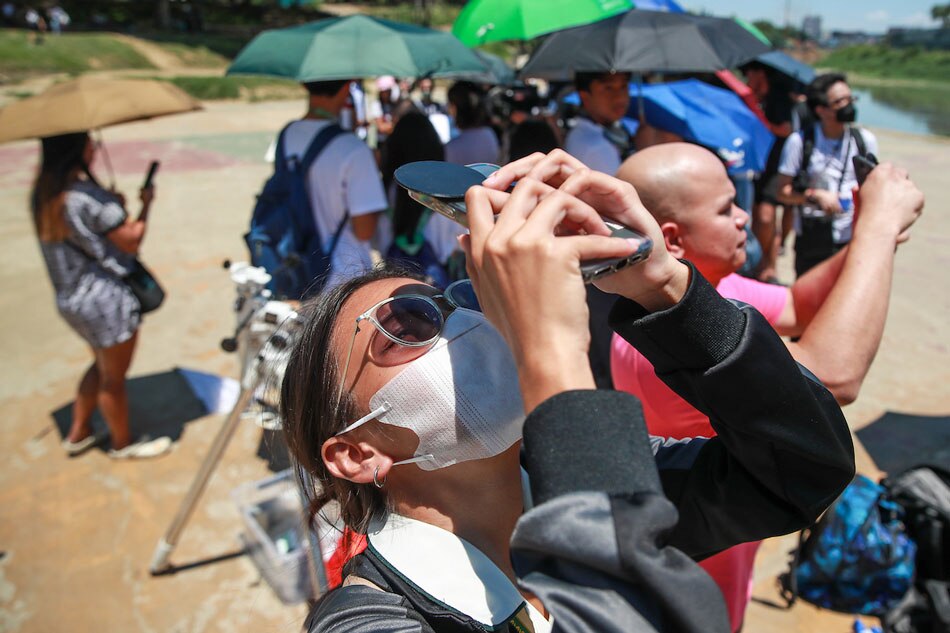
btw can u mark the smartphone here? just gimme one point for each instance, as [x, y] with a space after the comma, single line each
[151, 174]
[863, 164]
[441, 187]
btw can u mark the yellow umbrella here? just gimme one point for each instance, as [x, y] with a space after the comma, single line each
[89, 103]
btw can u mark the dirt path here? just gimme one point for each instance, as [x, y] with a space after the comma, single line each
[156, 55]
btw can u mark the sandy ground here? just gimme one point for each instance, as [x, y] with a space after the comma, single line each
[77, 534]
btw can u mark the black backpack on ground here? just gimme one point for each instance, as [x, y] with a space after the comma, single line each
[924, 493]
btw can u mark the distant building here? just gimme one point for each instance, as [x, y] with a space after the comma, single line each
[925, 38]
[838, 39]
[811, 27]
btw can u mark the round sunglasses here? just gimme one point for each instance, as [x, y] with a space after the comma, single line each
[413, 320]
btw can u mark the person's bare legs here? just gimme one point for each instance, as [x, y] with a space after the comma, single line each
[763, 225]
[788, 223]
[113, 363]
[85, 404]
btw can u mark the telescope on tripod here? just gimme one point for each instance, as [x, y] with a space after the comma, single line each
[263, 336]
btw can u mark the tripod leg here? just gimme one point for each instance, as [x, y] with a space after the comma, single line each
[168, 542]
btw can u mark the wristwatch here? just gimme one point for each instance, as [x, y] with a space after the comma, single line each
[810, 197]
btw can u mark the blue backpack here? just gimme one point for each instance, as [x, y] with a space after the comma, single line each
[858, 558]
[283, 238]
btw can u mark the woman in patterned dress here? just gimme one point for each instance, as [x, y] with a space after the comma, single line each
[89, 243]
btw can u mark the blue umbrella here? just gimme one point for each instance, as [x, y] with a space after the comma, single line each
[659, 5]
[787, 65]
[709, 116]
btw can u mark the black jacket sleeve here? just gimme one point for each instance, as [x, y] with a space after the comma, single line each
[602, 547]
[783, 450]
[592, 548]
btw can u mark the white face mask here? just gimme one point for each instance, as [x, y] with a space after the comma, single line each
[461, 398]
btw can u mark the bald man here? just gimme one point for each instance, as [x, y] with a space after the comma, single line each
[837, 309]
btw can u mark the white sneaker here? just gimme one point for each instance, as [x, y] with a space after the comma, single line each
[143, 449]
[74, 449]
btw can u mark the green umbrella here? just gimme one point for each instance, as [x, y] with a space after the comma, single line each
[751, 28]
[354, 46]
[484, 21]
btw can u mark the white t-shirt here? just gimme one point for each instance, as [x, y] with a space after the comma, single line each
[343, 178]
[474, 145]
[828, 159]
[586, 142]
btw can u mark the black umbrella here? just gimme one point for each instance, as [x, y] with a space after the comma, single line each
[643, 41]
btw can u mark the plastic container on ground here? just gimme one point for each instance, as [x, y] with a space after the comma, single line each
[274, 536]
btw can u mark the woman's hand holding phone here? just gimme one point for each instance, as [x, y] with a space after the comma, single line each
[655, 283]
[526, 265]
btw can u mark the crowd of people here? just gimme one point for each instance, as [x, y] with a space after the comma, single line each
[42, 19]
[437, 362]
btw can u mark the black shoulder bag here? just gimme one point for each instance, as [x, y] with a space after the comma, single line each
[144, 286]
[139, 279]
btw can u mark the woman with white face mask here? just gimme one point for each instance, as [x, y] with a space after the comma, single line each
[407, 406]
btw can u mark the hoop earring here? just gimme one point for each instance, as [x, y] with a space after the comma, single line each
[376, 479]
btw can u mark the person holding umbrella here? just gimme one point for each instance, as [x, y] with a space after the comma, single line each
[87, 240]
[598, 138]
[89, 244]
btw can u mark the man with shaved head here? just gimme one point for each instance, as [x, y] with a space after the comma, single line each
[837, 309]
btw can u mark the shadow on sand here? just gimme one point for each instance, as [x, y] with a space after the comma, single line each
[159, 405]
[898, 441]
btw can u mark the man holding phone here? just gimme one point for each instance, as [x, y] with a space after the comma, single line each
[687, 190]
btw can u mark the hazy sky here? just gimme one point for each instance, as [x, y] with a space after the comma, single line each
[875, 16]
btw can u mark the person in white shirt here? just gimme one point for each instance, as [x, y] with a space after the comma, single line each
[476, 141]
[824, 198]
[343, 182]
[598, 139]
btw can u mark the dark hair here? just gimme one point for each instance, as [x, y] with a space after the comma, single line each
[325, 88]
[469, 103]
[817, 91]
[62, 156]
[530, 136]
[310, 413]
[583, 80]
[412, 139]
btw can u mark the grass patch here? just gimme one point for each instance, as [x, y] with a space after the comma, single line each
[251, 88]
[210, 47]
[71, 53]
[440, 15]
[897, 63]
[195, 56]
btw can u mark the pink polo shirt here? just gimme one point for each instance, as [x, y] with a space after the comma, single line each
[668, 415]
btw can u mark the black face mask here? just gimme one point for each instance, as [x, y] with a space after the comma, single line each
[846, 114]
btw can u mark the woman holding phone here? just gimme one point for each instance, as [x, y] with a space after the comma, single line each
[407, 406]
[88, 243]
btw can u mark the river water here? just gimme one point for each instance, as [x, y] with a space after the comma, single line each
[906, 109]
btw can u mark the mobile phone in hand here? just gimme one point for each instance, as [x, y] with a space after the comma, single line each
[441, 186]
[151, 174]
[863, 164]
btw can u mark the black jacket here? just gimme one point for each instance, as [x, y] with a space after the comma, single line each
[608, 545]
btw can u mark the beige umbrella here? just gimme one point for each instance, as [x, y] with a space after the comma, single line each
[89, 103]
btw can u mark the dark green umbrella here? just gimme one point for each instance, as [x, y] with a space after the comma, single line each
[354, 46]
